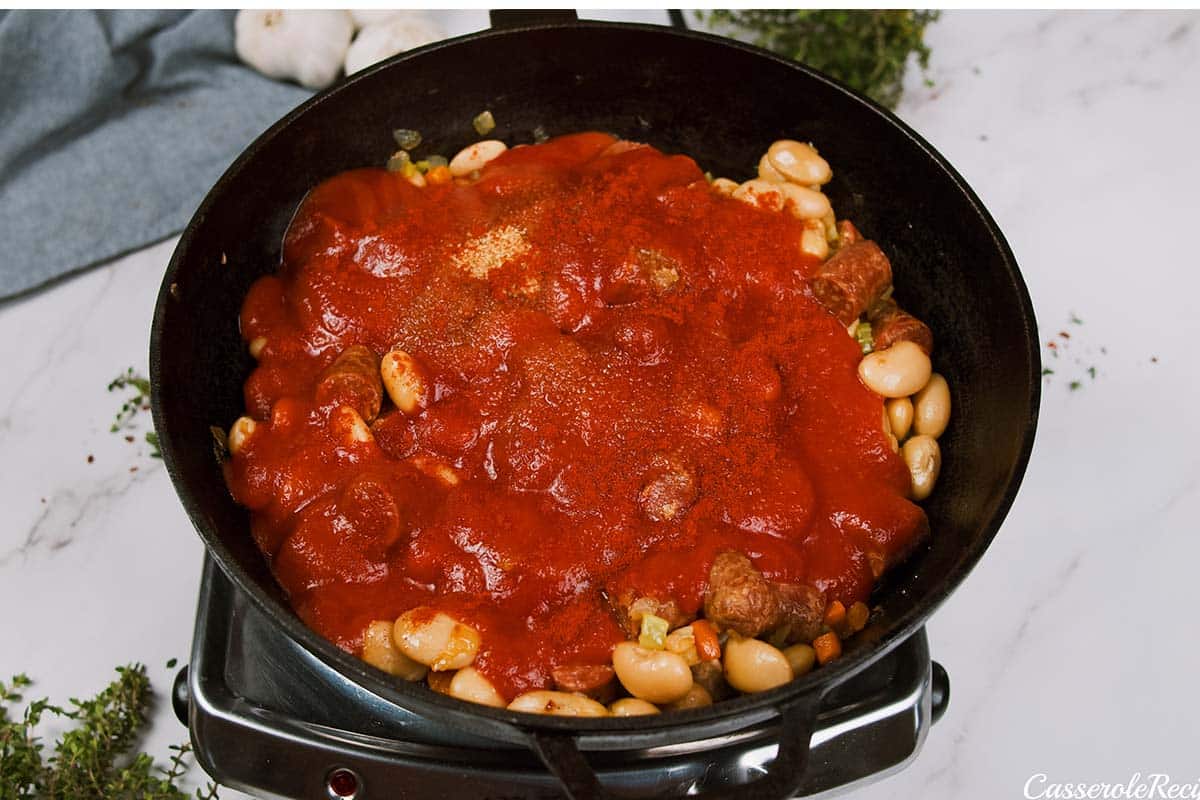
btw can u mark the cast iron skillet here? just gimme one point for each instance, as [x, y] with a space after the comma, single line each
[722, 103]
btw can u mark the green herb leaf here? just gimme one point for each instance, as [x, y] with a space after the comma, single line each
[868, 50]
[92, 760]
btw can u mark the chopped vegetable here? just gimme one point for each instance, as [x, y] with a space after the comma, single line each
[708, 645]
[654, 632]
[484, 124]
[835, 614]
[399, 162]
[864, 336]
[437, 161]
[857, 616]
[828, 647]
[438, 175]
[869, 50]
[407, 139]
[540, 135]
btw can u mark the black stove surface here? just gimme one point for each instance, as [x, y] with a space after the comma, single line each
[268, 718]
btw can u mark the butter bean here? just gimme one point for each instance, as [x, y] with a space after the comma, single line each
[632, 707]
[558, 704]
[931, 407]
[806, 203]
[241, 430]
[436, 639]
[760, 193]
[752, 665]
[349, 427]
[899, 412]
[470, 685]
[658, 676]
[801, 658]
[799, 162]
[474, 157]
[256, 346]
[724, 186]
[380, 651]
[404, 381]
[924, 459]
[900, 370]
[696, 697]
[813, 240]
[768, 173]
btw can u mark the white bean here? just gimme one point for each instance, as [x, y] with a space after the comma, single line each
[256, 346]
[436, 639]
[239, 432]
[404, 381]
[805, 203]
[632, 707]
[349, 427]
[813, 240]
[898, 371]
[658, 676]
[768, 172]
[380, 651]
[924, 460]
[899, 412]
[475, 156]
[723, 186]
[696, 697]
[470, 685]
[752, 665]
[799, 162]
[760, 193]
[931, 407]
[801, 658]
[558, 704]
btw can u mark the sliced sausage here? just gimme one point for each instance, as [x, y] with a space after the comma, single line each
[852, 279]
[739, 598]
[800, 613]
[353, 380]
[891, 324]
[594, 680]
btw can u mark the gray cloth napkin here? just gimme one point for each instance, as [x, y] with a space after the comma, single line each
[113, 125]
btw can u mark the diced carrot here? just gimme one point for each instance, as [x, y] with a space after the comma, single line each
[828, 647]
[857, 616]
[439, 175]
[708, 646]
[835, 615]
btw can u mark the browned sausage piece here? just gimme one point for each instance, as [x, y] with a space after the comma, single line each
[739, 598]
[594, 680]
[631, 607]
[801, 612]
[891, 324]
[847, 233]
[353, 380]
[852, 279]
[711, 676]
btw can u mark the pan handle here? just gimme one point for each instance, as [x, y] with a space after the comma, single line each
[501, 19]
[561, 755]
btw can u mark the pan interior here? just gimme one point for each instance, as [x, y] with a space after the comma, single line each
[722, 104]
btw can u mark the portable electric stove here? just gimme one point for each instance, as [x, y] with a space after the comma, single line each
[268, 718]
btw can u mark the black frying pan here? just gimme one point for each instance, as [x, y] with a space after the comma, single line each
[722, 103]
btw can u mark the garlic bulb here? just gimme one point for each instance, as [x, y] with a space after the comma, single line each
[305, 46]
[372, 16]
[403, 31]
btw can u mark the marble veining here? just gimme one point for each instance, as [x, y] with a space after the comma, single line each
[1070, 647]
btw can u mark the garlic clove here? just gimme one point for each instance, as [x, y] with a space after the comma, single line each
[304, 46]
[371, 16]
[403, 31]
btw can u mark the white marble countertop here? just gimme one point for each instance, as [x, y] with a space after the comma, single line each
[1072, 648]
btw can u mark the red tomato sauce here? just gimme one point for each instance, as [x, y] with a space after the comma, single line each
[624, 317]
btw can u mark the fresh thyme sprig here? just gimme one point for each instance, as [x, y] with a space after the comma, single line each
[139, 401]
[868, 50]
[92, 761]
